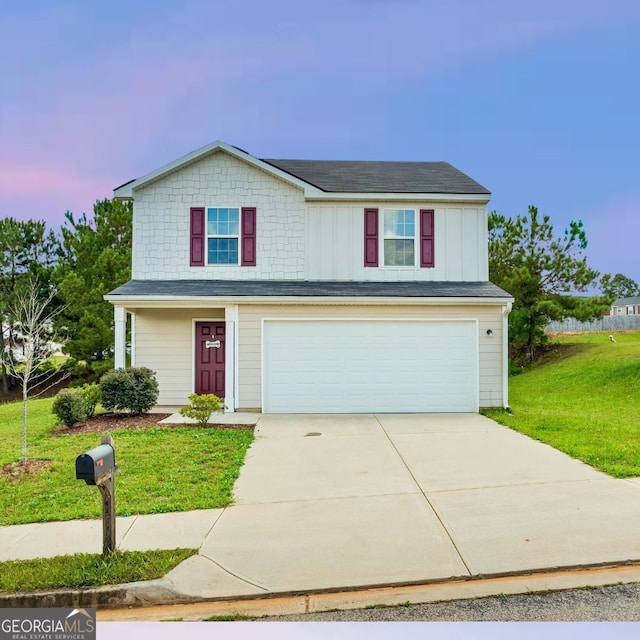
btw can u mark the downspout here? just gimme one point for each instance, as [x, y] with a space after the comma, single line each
[506, 310]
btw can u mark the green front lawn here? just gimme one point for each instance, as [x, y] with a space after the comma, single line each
[88, 570]
[161, 469]
[584, 400]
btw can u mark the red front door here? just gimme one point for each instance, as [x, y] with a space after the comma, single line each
[210, 357]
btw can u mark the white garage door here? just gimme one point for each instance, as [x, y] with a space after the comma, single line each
[362, 366]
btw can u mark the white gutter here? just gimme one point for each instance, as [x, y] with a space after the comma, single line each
[317, 195]
[505, 354]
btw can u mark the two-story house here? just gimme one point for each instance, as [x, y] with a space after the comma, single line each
[302, 286]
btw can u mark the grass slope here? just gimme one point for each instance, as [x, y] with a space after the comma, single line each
[584, 400]
[161, 470]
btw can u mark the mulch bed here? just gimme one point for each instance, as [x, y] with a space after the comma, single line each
[109, 422]
[18, 470]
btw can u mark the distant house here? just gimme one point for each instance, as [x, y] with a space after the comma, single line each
[626, 307]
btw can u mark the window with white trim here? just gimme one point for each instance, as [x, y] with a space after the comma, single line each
[399, 237]
[223, 235]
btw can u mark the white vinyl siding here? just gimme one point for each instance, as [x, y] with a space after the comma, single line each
[164, 343]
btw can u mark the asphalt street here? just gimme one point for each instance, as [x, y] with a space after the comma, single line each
[618, 603]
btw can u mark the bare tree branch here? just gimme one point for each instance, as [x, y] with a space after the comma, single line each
[32, 322]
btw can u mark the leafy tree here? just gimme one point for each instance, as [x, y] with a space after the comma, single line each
[28, 254]
[540, 270]
[96, 258]
[618, 286]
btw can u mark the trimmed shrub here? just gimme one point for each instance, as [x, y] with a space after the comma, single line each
[134, 390]
[91, 397]
[202, 406]
[68, 407]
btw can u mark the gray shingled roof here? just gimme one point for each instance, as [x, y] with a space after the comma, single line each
[621, 302]
[315, 288]
[360, 176]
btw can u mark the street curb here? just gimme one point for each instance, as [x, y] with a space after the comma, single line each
[135, 598]
[131, 595]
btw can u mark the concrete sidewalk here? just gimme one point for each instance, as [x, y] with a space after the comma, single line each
[343, 502]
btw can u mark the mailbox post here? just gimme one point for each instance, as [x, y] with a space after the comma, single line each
[98, 467]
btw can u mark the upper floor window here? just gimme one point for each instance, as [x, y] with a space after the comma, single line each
[223, 235]
[404, 238]
[399, 237]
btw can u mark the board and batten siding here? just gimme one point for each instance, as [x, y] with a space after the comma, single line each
[164, 343]
[250, 339]
[335, 243]
[161, 219]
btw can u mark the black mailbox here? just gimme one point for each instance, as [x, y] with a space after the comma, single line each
[94, 464]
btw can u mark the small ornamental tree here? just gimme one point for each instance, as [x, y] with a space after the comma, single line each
[134, 390]
[202, 406]
[32, 317]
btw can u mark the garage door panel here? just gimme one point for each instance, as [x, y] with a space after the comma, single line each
[369, 366]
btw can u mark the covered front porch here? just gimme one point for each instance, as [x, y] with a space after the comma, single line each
[192, 348]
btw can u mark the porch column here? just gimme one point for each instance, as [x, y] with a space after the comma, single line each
[231, 356]
[132, 326]
[120, 351]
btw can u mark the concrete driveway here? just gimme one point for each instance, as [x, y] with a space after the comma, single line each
[327, 502]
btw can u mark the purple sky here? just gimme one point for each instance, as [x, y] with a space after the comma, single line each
[540, 102]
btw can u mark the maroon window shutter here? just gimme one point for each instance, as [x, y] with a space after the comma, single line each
[248, 236]
[198, 237]
[426, 238]
[370, 237]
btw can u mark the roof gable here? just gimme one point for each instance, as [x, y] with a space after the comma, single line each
[126, 190]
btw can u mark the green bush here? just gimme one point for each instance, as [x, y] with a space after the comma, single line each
[91, 397]
[134, 390]
[68, 407]
[202, 406]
